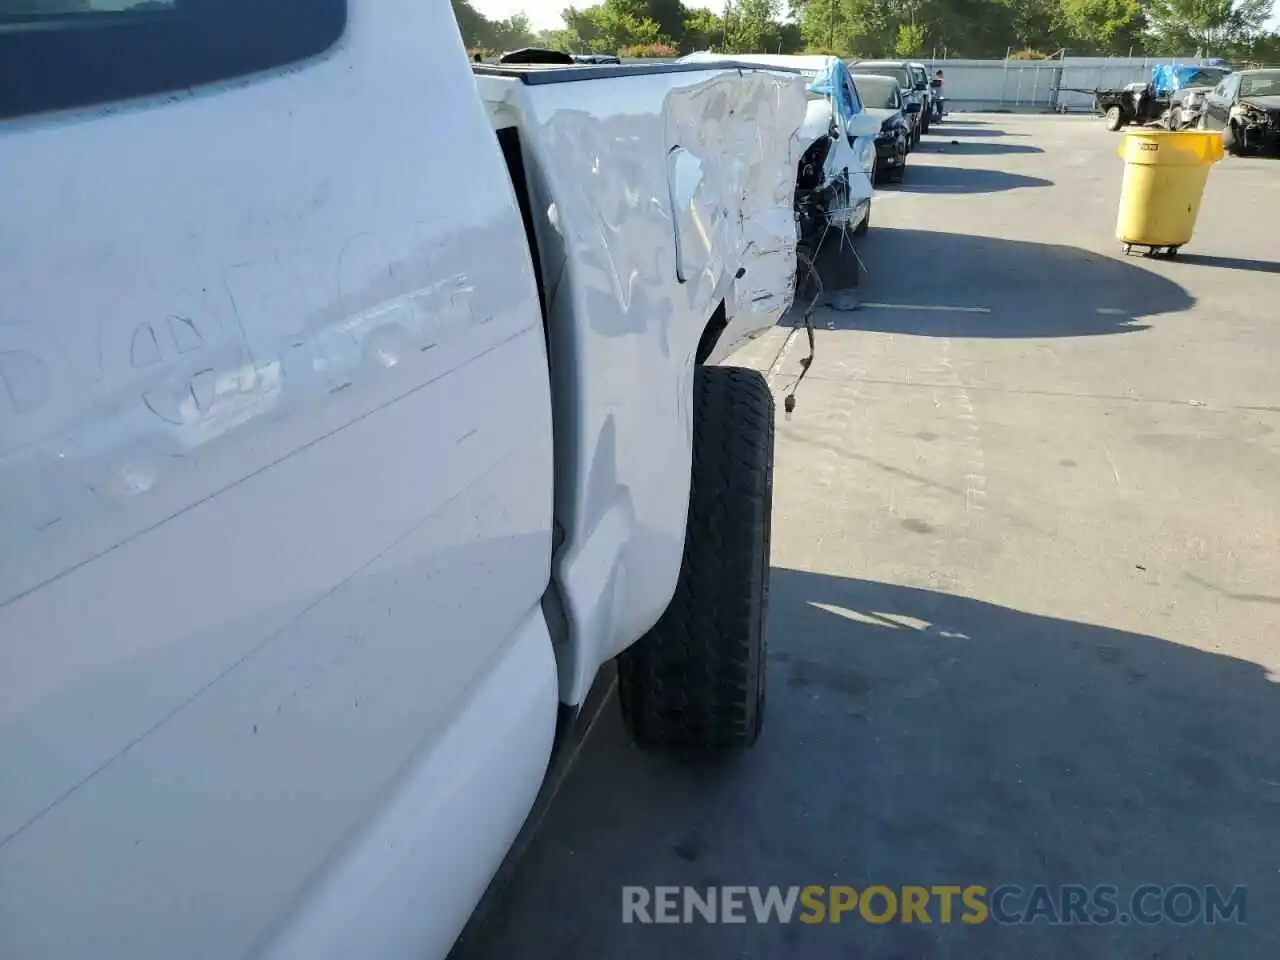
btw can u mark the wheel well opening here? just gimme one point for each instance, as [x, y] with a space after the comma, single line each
[711, 333]
[513, 154]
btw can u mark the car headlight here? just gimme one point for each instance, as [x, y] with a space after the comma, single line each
[866, 154]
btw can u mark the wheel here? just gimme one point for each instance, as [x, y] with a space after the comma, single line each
[696, 681]
[861, 229]
[1115, 118]
[1175, 118]
[1231, 139]
[900, 171]
[1128, 249]
[924, 121]
[879, 173]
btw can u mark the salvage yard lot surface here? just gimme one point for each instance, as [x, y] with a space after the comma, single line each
[1025, 614]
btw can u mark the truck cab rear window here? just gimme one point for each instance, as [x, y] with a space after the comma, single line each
[56, 54]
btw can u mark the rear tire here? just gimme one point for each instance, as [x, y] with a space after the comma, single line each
[1115, 118]
[696, 681]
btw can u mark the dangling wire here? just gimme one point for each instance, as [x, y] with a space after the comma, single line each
[804, 260]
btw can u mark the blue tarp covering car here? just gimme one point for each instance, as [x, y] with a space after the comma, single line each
[1167, 78]
[834, 79]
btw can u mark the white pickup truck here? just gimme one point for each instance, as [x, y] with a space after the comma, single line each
[355, 410]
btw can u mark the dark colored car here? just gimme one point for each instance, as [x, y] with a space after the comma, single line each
[925, 90]
[1245, 106]
[900, 70]
[881, 98]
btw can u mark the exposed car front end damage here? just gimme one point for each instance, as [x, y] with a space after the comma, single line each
[1258, 121]
[836, 145]
[833, 180]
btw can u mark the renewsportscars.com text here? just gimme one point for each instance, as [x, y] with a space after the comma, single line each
[1068, 904]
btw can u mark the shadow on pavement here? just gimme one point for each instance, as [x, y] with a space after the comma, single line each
[917, 737]
[1031, 289]
[967, 129]
[1229, 263]
[932, 179]
[974, 148]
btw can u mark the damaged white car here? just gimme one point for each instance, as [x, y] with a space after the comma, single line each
[836, 147]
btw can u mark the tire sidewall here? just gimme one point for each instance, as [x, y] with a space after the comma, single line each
[697, 680]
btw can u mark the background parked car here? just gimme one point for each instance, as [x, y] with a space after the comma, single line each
[920, 76]
[882, 98]
[1192, 85]
[836, 144]
[900, 70]
[1245, 106]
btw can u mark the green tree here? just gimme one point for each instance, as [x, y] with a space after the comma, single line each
[753, 26]
[702, 30]
[854, 27]
[1103, 26]
[1033, 24]
[1262, 49]
[1207, 26]
[669, 15]
[606, 28]
[475, 28]
[789, 37]
[910, 42]
[513, 33]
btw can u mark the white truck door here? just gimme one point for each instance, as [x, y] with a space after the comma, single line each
[275, 484]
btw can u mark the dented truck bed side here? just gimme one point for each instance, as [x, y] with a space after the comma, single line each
[658, 194]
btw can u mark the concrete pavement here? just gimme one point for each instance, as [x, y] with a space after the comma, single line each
[1025, 612]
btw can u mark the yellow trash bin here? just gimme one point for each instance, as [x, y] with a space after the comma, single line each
[1164, 176]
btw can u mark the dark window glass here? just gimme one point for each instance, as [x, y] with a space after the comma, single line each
[1263, 84]
[879, 93]
[66, 53]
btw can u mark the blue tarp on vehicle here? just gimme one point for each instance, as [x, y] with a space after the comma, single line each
[835, 78]
[1166, 78]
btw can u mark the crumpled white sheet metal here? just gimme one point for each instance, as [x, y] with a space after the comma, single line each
[743, 128]
[656, 197]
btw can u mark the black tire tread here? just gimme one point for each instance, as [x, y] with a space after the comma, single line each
[696, 680]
